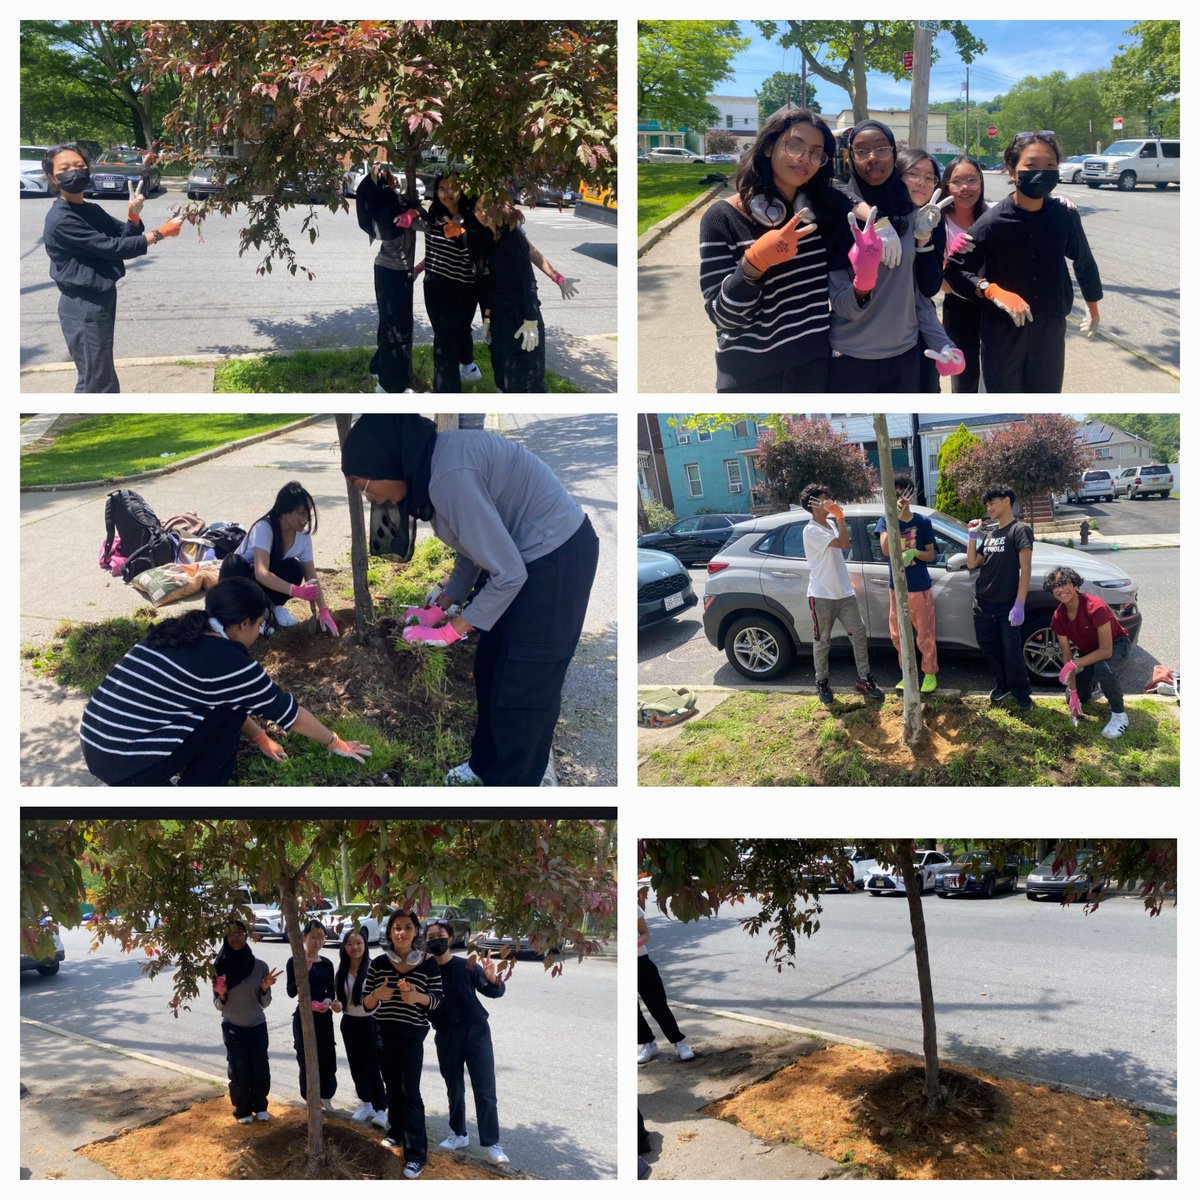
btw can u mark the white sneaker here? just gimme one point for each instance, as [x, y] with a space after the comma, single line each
[389, 1142]
[380, 1119]
[456, 1141]
[412, 1170]
[283, 618]
[263, 1116]
[1117, 724]
[462, 776]
[246, 1120]
[469, 373]
[496, 1155]
[364, 1112]
[327, 1105]
[648, 1051]
[685, 1052]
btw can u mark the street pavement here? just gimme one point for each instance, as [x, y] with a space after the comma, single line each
[240, 486]
[190, 298]
[555, 1043]
[676, 340]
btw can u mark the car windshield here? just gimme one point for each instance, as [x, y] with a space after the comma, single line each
[1082, 858]
[1124, 148]
[351, 910]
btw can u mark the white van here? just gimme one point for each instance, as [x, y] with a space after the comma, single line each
[1134, 161]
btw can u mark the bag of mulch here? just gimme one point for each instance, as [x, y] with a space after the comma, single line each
[175, 581]
[667, 706]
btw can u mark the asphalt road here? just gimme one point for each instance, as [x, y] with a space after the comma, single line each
[1122, 515]
[555, 1043]
[1086, 1000]
[198, 297]
[677, 652]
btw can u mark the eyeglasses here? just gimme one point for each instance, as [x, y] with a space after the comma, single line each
[966, 185]
[865, 152]
[795, 148]
[921, 177]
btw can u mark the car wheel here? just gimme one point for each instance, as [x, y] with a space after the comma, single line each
[1043, 659]
[989, 887]
[48, 968]
[1162, 495]
[1090, 184]
[1127, 182]
[1031, 895]
[759, 647]
[1162, 187]
[942, 895]
[1110, 499]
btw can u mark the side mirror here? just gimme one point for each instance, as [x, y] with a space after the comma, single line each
[957, 562]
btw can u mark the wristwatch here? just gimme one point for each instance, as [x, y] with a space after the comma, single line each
[983, 285]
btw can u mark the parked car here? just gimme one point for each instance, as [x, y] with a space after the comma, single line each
[664, 587]
[48, 965]
[459, 919]
[1070, 170]
[340, 922]
[478, 912]
[32, 176]
[491, 941]
[888, 881]
[353, 177]
[542, 192]
[1095, 484]
[673, 154]
[721, 158]
[207, 178]
[756, 594]
[974, 874]
[112, 173]
[1132, 161]
[834, 876]
[269, 923]
[1154, 478]
[694, 540]
[1082, 883]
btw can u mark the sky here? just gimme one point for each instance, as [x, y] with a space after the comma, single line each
[1015, 49]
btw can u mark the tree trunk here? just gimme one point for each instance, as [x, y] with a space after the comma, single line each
[308, 1032]
[858, 96]
[446, 421]
[364, 609]
[345, 862]
[916, 919]
[914, 725]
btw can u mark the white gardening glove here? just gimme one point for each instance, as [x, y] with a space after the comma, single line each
[566, 286]
[487, 330]
[1065, 200]
[929, 216]
[1091, 322]
[528, 336]
[136, 198]
[893, 252]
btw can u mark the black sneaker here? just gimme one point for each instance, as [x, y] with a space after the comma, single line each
[868, 687]
[1025, 703]
[998, 693]
[824, 691]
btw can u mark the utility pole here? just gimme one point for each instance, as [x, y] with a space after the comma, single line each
[967, 113]
[918, 117]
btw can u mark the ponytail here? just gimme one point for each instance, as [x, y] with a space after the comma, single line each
[231, 602]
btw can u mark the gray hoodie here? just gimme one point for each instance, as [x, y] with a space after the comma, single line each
[244, 1004]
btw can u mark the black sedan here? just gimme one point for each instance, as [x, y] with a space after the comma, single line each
[694, 540]
[975, 874]
[112, 173]
[664, 587]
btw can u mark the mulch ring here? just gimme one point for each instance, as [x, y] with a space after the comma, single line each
[205, 1142]
[879, 735]
[864, 1107]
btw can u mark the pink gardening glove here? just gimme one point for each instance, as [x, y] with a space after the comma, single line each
[418, 268]
[1073, 705]
[432, 615]
[443, 635]
[320, 1006]
[948, 360]
[1067, 671]
[326, 622]
[406, 218]
[865, 253]
[960, 244]
[305, 591]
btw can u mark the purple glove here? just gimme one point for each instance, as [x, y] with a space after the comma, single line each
[1073, 705]
[431, 615]
[865, 253]
[443, 635]
[960, 243]
[326, 622]
[1017, 615]
[948, 360]
[305, 591]
[974, 529]
[1069, 669]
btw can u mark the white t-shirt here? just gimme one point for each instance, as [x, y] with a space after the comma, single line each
[828, 578]
[642, 948]
[261, 538]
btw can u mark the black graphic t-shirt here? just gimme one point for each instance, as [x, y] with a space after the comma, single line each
[1001, 570]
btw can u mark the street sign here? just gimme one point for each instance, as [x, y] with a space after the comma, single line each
[907, 60]
[932, 26]
[1118, 123]
[992, 131]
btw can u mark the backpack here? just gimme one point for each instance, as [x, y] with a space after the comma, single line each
[143, 540]
[226, 537]
[666, 706]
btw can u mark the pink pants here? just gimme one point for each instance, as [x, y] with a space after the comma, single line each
[920, 607]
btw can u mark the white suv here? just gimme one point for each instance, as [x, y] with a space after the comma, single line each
[1133, 161]
[666, 154]
[1096, 484]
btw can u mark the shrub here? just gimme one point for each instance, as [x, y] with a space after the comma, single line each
[810, 450]
[658, 516]
[955, 449]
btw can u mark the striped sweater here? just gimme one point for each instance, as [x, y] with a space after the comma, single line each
[152, 700]
[447, 258]
[768, 325]
[395, 1016]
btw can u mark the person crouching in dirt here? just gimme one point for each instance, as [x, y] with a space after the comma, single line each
[173, 710]
[508, 517]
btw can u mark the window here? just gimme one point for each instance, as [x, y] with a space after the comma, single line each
[792, 543]
[268, 114]
[683, 437]
[1149, 150]
[1104, 452]
[733, 475]
[704, 435]
[695, 487]
[745, 429]
[1170, 149]
[729, 120]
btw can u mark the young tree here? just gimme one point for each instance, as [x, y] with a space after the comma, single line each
[809, 450]
[679, 63]
[720, 143]
[784, 87]
[948, 499]
[1147, 70]
[1042, 453]
[364, 608]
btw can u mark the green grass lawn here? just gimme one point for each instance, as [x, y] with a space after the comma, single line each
[663, 188]
[346, 371]
[760, 738]
[123, 444]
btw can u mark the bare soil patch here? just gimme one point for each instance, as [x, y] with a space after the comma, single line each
[946, 732]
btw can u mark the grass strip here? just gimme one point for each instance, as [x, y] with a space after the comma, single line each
[664, 188]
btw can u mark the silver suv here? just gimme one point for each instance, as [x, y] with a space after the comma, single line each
[756, 595]
[1153, 479]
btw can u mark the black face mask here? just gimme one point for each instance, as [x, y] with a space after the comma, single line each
[437, 946]
[1036, 184]
[73, 181]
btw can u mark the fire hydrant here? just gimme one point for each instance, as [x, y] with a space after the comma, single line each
[1084, 530]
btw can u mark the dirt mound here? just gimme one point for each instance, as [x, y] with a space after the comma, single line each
[879, 734]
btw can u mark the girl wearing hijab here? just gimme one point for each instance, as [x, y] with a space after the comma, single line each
[324, 1004]
[1017, 266]
[88, 248]
[403, 987]
[277, 554]
[358, 1029]
[241, 990]
[880, 313]
[173, 709]
[510, 521]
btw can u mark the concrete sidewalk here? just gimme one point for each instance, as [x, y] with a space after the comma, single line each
[677, 342]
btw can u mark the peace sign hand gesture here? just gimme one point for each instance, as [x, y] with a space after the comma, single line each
[865, 253]
[929, 216]
[269, 980]
[136, 199]
[780, 245]
[489, 969]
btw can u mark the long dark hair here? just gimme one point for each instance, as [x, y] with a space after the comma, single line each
[343, 970]
[439, 213]
[231, 602]
[754, 176]
[289, 498]
[980, 203]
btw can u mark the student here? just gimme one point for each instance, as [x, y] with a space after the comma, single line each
[404, 986]
[1018, 263]
[508, 517]
[174, 708]
[241, 990]
[916, 533]
[880, 313]
[88, 248]
[324, 1004]
[1101, 645]
[830, 594]
[358, 1029]
[464, 1041]
[1003, 553]
[277, 553]
[962, 181]
[450, 285]
[651, 991]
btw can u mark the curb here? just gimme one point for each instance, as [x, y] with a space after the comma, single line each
[656, 233]
[195, 460]
[1121, 344]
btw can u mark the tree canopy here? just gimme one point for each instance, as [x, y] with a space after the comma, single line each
[809, 450]
[679, 63]
[1147, 69]
[784, 87]
[959, 445]
[1074, 108]
[1042, 453]
[1160, 429]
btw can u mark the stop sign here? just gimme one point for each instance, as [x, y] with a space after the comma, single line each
[992, 131]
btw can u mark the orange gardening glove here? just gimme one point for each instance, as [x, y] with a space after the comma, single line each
[171, 228]
[270, 748]
[1010, 302]
[834, 509]
[453, 229]
[779, 245]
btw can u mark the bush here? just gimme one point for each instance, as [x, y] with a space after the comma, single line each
[810, 450]
[1040, 454]
[955, 449]
[658, 516]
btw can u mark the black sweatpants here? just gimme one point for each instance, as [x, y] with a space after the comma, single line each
[249, 1067]
[206, 758]
[234, 566]
[362, 1053]
[392, 361]
[469, 1046]
[960, 320]
[516, 370]
[451, 307]
[521, 662]
[899, 374]
[811, 376]
[1001, 643]
[652, 992]
[88, 321]
[401, 1058]
[326, 1053]
[1104, 673]
[1029, 359]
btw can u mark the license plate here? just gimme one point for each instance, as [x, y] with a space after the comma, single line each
[110, 184]
[675, 601]
[953, 881]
